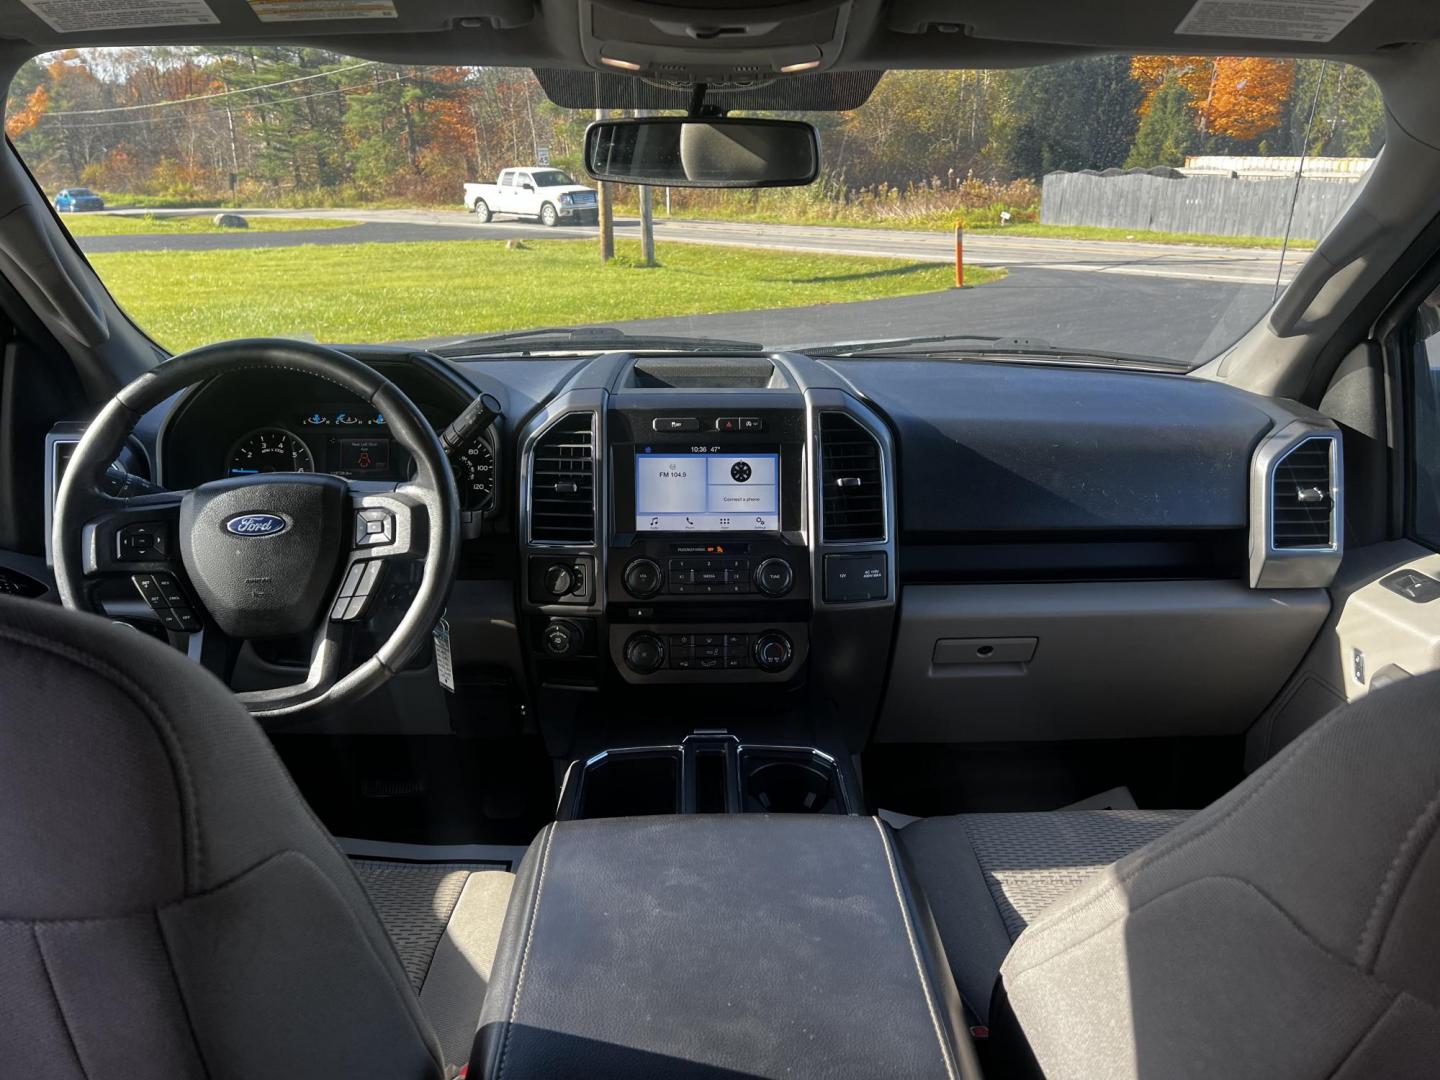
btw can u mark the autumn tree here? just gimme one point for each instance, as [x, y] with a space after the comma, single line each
[1234, 97]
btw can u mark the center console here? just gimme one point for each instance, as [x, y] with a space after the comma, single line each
[708, 946]
[719, 523]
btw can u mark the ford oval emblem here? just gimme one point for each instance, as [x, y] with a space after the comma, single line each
[256, 525]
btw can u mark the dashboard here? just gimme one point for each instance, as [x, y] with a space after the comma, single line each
[862, 545]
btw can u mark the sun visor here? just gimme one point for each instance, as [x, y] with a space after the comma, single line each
[825, 92]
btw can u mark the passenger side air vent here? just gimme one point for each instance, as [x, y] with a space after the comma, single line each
[1302, 497]
[562, 482]
[852, 477]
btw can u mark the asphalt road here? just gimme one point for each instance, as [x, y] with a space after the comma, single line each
[1181, 303]
[1238, 265]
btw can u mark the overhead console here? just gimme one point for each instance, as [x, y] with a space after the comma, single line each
[705, 520]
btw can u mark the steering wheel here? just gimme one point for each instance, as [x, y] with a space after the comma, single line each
[269, 555]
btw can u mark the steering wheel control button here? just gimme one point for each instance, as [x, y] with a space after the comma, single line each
[355, 590]
[169, 602]
[180, 619]
[142, 542]
[773, 577]
[149, 591]
[674, 425]
[643, 578]
[644, 654]
[373, 527]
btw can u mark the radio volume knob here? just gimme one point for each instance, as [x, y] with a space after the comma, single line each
[773, 577]
[773, 651]
[642, 578]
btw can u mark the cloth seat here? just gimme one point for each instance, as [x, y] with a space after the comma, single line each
[987, 876]
[1287, 930]
[169, 905]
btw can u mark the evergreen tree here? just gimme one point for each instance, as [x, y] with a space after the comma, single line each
[1167, 130]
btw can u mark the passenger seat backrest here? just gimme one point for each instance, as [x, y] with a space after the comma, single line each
[168, 904]
[1288, 930]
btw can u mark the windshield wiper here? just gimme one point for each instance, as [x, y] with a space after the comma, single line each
[994, 345]
[588, 339]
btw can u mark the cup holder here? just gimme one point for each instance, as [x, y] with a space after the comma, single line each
[706, 775]
[779, 781]
[630, 783]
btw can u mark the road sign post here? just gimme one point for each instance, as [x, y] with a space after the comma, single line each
[959, 254]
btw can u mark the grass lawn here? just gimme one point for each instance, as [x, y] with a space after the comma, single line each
[102, 224]
[405, 291]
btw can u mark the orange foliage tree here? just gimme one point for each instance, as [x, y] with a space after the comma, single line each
[29, 114]
[1240, 97]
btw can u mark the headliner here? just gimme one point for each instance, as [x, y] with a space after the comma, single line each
[873, 35]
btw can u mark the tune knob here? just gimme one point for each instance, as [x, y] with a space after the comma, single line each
[773, 651]
[644, 653]
[773, 577]
[643, 578]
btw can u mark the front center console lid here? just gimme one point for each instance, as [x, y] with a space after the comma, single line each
[718, 946]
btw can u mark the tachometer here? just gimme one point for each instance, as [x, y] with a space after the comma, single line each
[475, 475]
[269, 450]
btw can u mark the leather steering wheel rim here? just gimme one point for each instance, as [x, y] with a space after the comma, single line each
[81, 497]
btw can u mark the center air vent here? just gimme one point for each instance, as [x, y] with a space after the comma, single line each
[852, 480]
[562, 482]
[1303, 497]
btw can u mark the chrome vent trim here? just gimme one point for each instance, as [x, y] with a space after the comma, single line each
[1303, 497]
[1297, 506]
[852, 482]
[561, 482]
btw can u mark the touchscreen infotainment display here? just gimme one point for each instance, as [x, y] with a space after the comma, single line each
[706, 492]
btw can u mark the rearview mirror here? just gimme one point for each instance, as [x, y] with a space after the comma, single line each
[673, 151]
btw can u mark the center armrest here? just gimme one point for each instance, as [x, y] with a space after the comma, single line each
[719, 946]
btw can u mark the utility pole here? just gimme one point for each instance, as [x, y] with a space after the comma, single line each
[647, 220]
[604, 211]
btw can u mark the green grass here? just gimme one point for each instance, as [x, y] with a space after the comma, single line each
[93, 224]
[405, 291]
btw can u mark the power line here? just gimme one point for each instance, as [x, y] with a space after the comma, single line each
[216, 112]
[219, 94]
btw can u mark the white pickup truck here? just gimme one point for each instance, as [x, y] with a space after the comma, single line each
[548, 194]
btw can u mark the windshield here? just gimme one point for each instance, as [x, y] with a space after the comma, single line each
[1141, 206]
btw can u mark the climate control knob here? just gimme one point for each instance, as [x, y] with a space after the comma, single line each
[644, 654]
[773, 577]
[773, 651]
[642, 578]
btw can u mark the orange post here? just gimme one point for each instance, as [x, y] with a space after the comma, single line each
[959, 254]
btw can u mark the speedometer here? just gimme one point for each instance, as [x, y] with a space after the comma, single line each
[475, 475]
[269, 450]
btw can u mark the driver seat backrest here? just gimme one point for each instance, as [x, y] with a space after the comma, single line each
[169, 906]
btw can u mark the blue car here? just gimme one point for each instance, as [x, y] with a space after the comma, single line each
[78, 198]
